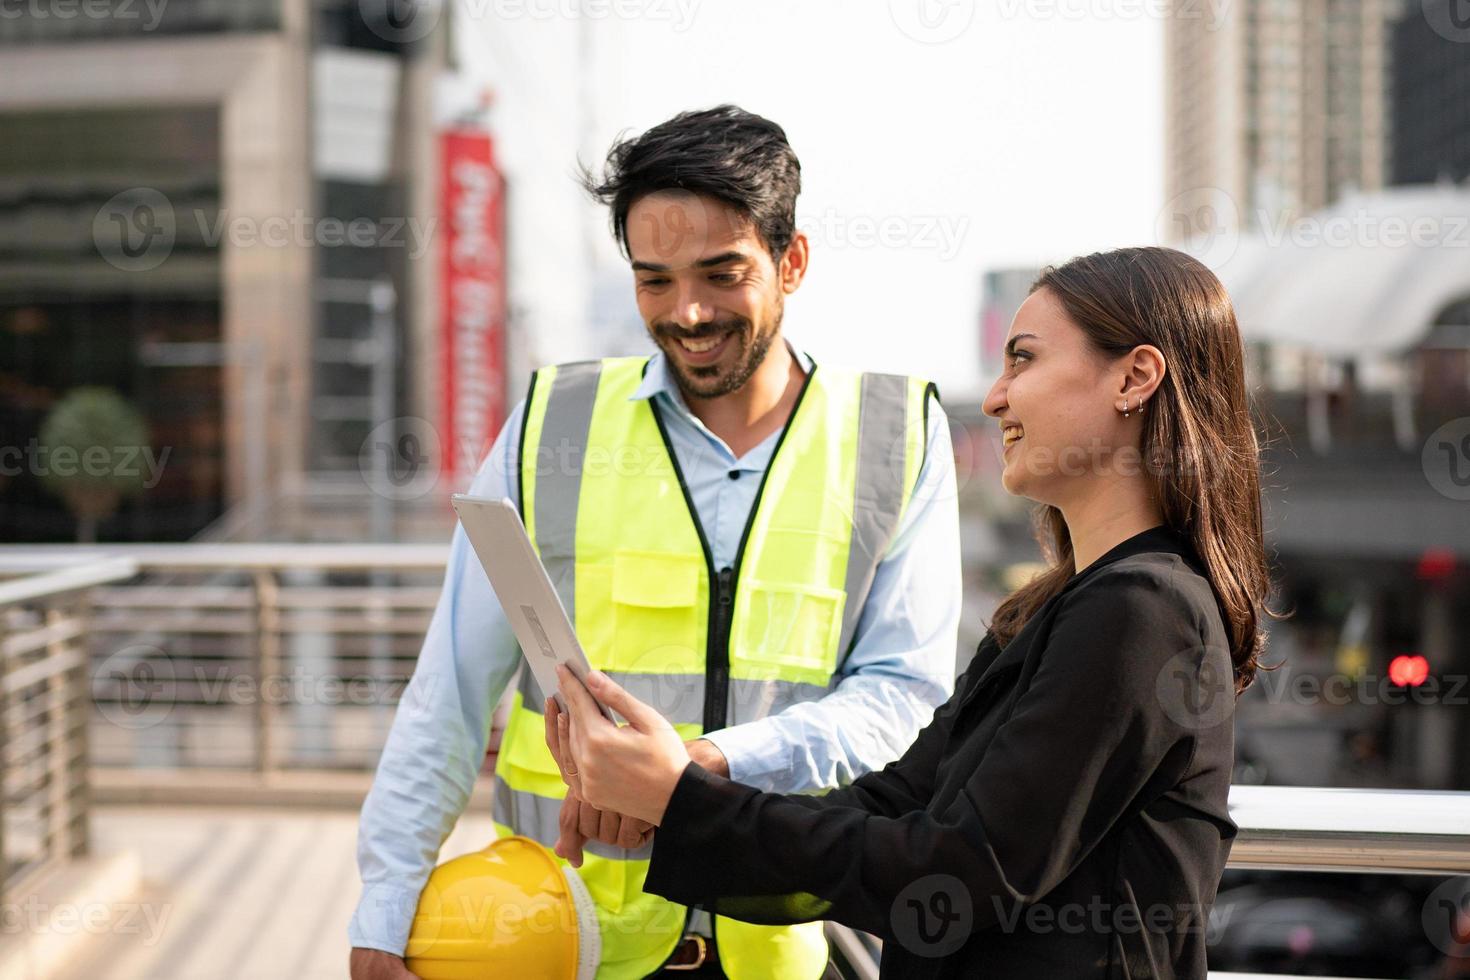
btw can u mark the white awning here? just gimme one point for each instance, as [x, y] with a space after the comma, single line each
[1368, 275]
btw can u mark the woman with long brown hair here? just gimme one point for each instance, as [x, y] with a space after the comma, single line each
[1065, 813]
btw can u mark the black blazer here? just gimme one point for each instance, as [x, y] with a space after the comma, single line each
[1064, 814]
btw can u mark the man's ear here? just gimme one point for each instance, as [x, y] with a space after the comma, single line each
[791, 270]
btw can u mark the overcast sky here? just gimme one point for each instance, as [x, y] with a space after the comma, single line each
[938, 138]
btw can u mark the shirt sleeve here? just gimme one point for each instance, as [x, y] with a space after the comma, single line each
[440, 731]
[1090, 736]
[901, 665]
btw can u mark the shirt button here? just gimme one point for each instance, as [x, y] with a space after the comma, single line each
[734, 474]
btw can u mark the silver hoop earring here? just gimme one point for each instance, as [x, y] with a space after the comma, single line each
[1125, 408]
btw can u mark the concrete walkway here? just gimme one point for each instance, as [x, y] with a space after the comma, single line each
[235, 893]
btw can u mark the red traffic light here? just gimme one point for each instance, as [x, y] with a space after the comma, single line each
[1408, 670]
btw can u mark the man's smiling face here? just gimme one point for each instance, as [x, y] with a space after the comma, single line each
[708, 290]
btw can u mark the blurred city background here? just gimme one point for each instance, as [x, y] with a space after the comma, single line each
[272, 272]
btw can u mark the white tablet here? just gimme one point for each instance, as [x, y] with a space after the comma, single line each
[524, 589]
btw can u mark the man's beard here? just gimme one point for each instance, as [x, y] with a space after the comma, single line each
[703, 382]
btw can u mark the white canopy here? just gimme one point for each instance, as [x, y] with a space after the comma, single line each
[1368, 275]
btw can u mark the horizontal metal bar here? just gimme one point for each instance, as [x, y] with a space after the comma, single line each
[73, 576]
[26, 640]
[1216, 975]
[1328, 829]
[234, 557]
[41, 670]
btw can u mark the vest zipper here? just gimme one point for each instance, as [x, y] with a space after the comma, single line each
[717, 658]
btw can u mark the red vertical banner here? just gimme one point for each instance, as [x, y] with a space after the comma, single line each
[472, 302]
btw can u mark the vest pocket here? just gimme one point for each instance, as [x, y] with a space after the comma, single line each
[658, 622]
[523, 747]
[787, 631]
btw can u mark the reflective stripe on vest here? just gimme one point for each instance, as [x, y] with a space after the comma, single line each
[610, 516]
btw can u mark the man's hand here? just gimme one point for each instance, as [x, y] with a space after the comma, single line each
[377, 964]
[580, 822]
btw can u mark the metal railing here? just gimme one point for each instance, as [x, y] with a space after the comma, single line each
[241, 667]
[43, 717]
[260, 661]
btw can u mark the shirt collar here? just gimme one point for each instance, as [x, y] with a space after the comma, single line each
[658, 377]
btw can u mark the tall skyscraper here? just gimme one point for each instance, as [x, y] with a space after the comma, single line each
[1431, 94]
[1273, 108]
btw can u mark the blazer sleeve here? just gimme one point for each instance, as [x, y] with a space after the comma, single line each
[1095, 731]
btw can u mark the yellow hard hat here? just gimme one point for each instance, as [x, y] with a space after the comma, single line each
[510, 910]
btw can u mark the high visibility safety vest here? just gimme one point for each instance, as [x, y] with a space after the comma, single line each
[609, 513]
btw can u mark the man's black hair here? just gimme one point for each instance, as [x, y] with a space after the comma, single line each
[726, 153]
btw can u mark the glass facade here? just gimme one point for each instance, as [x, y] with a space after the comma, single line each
[109, 278]
[82, 20]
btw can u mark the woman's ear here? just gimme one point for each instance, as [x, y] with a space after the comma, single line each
[1143, 371]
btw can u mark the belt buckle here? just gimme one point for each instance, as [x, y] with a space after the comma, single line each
[703, 953]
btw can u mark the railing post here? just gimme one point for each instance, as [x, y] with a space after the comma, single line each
[78, 722]
[267, 665]
[56, 833]
[4, 722]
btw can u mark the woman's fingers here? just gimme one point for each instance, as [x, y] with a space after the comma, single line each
[571, 773]
[610, 693]
[560, 744]
[552, 715]
[579, 703]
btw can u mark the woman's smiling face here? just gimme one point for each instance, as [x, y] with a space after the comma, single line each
[1057, 402]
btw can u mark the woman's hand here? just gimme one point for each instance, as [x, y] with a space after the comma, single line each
[630, 769]
[580, 821]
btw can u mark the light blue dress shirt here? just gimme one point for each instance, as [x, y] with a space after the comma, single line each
[900, 668]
